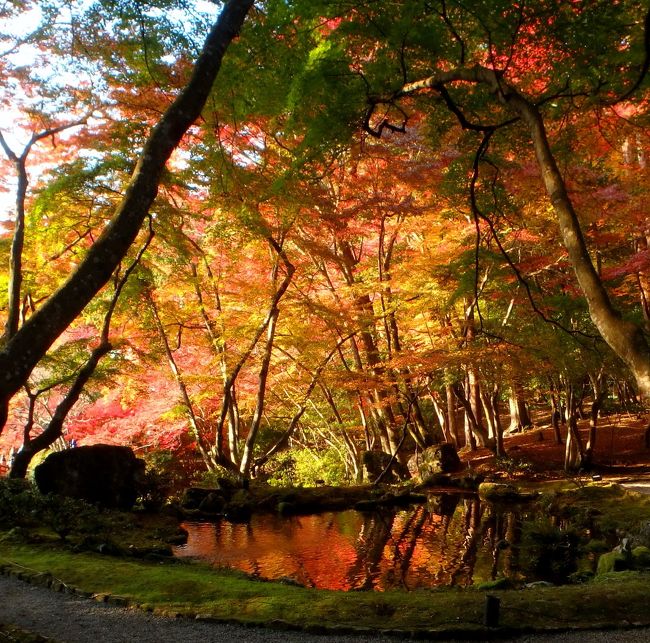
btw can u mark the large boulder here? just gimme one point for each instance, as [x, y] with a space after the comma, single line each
[376, 462]
[441, 458]
[101, 473]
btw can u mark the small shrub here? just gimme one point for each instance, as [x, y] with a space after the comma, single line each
[302, 467]
[513, 466]
[552, 552]
[19, 503]
[66, 516]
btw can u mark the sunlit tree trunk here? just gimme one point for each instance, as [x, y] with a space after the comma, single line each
[451, 413]
[476, 431]
[519, 417]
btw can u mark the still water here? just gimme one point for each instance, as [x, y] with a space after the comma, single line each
[450, 541]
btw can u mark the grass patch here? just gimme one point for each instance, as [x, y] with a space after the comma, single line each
[191, 589]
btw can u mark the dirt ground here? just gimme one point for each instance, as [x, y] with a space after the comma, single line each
[619, 452]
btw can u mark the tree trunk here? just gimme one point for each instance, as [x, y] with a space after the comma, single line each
[443, 418]
[180, 383]
[475, 428]
[31, 342]
[556, 412]
[451, 413]
[519, 416]
[624, 337]
[247, 454]
[599, 395]
[574, 451]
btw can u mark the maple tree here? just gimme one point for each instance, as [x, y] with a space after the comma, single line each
[495, 75]
[27, 345]
[353, 249]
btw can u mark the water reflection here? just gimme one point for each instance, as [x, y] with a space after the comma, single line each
[451, 541]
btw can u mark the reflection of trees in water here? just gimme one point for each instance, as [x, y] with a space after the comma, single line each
[494, 531]
[471, 524]
[444, 506]
[404, 545]
[452, 540]
[375, 532]
[511, 565]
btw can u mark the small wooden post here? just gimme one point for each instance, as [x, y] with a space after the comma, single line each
[491, 615]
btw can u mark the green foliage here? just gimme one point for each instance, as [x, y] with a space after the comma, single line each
[306, 468]
[18, 505]
[66, 516]
[552, 552]
[167, 474]
[21, 505]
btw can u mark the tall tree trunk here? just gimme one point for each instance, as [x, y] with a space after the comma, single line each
[443, 418]
[625, 338]
[519, 417]
[599, 393]
[451, 413]
[31, 342]
[475, 428]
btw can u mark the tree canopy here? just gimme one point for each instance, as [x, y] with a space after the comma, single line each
[380, 216]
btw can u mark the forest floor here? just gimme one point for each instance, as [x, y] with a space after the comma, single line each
[620, 453]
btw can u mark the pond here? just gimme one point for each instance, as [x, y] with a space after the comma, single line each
[452, 540]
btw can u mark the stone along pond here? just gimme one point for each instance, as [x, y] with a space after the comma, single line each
[451, 540]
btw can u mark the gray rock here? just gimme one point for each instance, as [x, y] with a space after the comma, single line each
[441, 458]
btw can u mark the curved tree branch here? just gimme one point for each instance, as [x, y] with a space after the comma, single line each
[24, 350]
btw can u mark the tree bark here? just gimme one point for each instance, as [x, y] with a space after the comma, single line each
[24, 350]
[625, 338]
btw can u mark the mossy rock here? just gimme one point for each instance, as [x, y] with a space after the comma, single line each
[499, 583]
[613, 561]
[641, 557]
[595, 546]
[502, 492]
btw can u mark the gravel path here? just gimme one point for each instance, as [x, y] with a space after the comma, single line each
[70, 619]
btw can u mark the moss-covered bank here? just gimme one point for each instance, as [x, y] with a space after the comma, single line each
[196, 590]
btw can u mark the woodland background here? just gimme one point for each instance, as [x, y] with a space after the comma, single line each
[362, 242]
